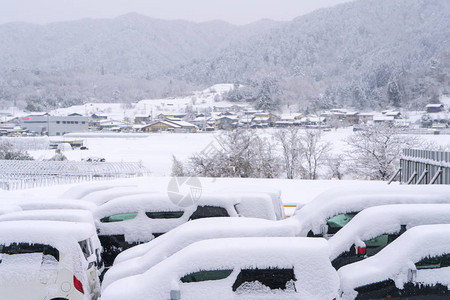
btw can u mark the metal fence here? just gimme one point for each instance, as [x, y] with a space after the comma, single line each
[21, 174]
[424, 167]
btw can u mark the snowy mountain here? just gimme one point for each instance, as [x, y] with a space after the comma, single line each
[365, 54]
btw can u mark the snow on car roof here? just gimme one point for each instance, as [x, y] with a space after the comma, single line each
[393, 261]
[54, 233]
[139, 259]
[68, 215]
[9, 208]
[308, 257]
[102, 196]
[378, 220]
[82, 190]
[354, 199]
[57, 204]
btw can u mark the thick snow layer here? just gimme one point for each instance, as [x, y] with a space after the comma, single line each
[139, 259]
[65, 215]
[68, 215]
[378, 220]
[9, 208]
[316, 278]
[354, 199]
[394, 261]
[102, 196]
[56, 204]
[82, 190]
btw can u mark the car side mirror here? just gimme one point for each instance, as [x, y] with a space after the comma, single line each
[412, 275]
[175, 295]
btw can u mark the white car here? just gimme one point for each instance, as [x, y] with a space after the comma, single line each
[376, 227]
[139, 259]
[47, 260]
[130, 220]
[65, 215]
[237, 268]
[330, 211]
[414, 266]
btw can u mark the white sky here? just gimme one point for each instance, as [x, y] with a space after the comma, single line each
[233, 11]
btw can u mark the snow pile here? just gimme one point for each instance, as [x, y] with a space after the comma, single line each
[139, 259]
[315, 277]
[102, 196]
[56, 204]
[82, 190]
[394, 261]
[9, 208]
[354, 199]
[375, 221]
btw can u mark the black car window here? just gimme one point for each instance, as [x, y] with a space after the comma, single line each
[378, 290]
[165, 214]
[119, 217]
[337, 222]
[208, 211]
[272, 278]
[24, 248]
[206, 275]
[434, 262]
[85, 248]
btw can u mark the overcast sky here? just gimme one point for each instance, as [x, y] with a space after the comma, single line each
[233, 11]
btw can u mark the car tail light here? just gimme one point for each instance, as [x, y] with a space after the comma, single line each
[78, 285]
[361, 250]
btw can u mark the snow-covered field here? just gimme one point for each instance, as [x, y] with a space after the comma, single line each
[155, 150]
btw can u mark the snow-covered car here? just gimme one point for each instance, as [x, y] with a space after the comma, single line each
[414, 266]
[237, 268]
[47, 260]
[376, 227]
[65, 215]
[9, 208]
[56, 204]
[130, 220]
[139, 259]
[326, 214]
[102, 196]
[81, 190]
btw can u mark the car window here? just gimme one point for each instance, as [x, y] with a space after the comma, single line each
[434, 262]
[206, 275]
[379, 241]
[24, 248]
[272, 278]
[208, 211]
[337, 222]
[379, 290]
[165, 214]
[85, 248]
[119, 217]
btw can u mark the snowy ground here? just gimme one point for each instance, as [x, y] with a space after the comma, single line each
[155, 150]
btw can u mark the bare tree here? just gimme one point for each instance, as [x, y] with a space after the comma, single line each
[314, 151]
[289, 139]
[375, 151]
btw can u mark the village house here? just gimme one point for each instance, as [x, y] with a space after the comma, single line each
[435, 108]
[173, 126]
[226, 122]
[142, 119]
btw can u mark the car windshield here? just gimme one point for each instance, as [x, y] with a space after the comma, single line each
[339, 221]
[25, 248]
